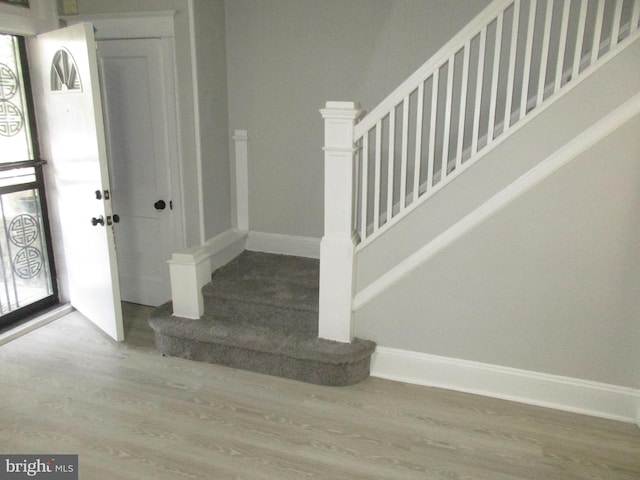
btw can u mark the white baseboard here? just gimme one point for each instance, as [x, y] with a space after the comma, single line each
[284, 244]
[225, 247]
[552, 391]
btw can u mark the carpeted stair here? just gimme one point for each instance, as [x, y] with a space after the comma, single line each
[261, 314]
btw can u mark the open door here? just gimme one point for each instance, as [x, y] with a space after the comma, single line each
[69, 115]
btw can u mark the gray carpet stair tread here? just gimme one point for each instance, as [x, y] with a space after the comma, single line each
[259, 338]
[268, 279]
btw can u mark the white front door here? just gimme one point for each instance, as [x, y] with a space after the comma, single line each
[70, 125]
[137, 127]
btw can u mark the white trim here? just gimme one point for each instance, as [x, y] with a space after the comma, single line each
[196, 115]
[524, 386]
[174, 139]
[241, 175]
[109, 26]
[284, 244]
[225, 247]
[544, 169]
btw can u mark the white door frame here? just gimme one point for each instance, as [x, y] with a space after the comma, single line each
[152, 25]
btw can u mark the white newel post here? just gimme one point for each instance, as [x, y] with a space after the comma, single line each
[190, 270]
[337, 248]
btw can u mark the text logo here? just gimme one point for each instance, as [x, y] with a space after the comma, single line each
[50, 467]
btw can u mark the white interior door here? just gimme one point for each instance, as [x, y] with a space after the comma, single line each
[136, 118]
[71, 130]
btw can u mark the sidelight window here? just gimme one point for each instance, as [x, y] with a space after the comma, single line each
[27, 278]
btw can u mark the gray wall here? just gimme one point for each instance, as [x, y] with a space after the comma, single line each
[212, 95]
[548, 284]
[286, 58]
[283, 59]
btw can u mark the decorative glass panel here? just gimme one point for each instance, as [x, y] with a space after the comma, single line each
[26, 271]
[15, 138]
[64, 73]
[24, 267]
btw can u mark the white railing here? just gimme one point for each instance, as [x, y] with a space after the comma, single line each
[498, 70]
[486, 82]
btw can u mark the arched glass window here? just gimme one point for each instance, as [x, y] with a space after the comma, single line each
[64, 73]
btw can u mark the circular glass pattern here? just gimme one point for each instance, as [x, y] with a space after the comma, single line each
[23, 230]
[27, 263]
[11, 120]
[8, 82]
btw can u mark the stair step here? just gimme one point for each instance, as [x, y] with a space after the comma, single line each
[261, 314]
[268, 279]
[277, 291]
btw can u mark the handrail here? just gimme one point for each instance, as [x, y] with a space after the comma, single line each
[508, 61]
[425, 71]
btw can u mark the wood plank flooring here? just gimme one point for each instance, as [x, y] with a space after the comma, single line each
[132, 414]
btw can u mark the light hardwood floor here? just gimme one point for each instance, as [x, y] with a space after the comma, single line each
[132, 414]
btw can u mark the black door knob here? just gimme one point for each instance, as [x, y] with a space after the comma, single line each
[160, 205]
[97, 221]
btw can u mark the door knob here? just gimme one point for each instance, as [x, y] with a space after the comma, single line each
[97, 221]
[160, 205]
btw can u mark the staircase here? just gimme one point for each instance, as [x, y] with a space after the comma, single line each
[261, 314]
[525, 88]
[525, 82]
